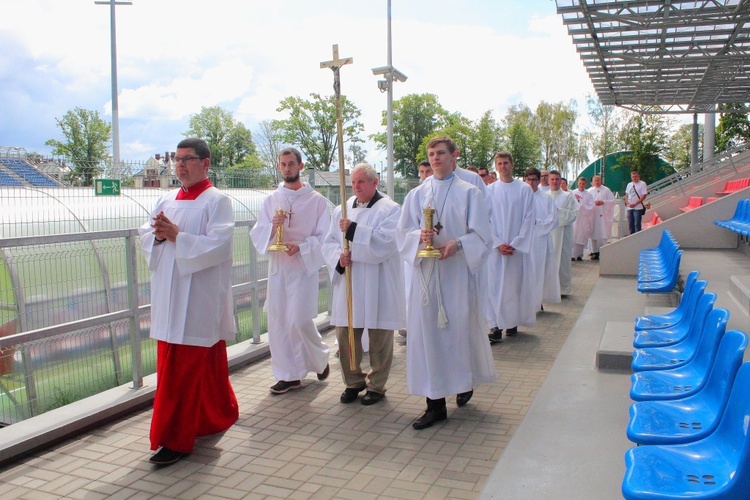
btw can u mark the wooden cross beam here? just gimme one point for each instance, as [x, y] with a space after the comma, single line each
[336, 63]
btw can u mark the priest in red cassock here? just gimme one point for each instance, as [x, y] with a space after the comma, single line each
[187, 243]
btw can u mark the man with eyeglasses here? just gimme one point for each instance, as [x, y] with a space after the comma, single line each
[484, 173]
[544, 181]
[292, 296]
[542, 255]
[188, 246]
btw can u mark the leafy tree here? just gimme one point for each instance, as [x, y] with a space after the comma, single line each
[733, 128]
[269, 144]
[484, 141]
[250, 173]
[678, 151]
[518, 136]
[459, 128]
[311, 127]
[415, 116]
[230, 141]
[555, 128]
[645, 136]
[604, 140]
[86, 143]
[356, 154]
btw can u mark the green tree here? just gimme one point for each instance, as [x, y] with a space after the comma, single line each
[555, 127]
[311, 127]
[733, 128]
[484, 141]
[605, 138]
[86, 143]
[415, 116]
[230, 141]
[269, 144]
[645, 136]
[678, 150]
[518, 136]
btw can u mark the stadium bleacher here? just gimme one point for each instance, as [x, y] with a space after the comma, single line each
[29, 173]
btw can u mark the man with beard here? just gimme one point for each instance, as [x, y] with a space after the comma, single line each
[292, 296]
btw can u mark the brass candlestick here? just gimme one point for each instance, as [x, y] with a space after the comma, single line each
[279, 245]
[428, 252]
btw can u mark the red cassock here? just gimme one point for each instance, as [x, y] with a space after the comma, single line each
[193, 395]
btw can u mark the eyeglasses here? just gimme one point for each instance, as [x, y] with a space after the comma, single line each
[482, 175]
[532, 179]
[545, 175]
[186, 159]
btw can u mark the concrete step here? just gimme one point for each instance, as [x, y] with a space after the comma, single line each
[615, 350]
[739, 290]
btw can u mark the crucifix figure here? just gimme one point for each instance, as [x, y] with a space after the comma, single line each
[438, 227]
[335, 64]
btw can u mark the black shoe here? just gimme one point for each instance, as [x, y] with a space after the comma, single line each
[495, 335]
[371, 397]
[511, 331]
[595, 256]
[579, 259]
[350, 394]
[430, 417]
[464, 397]
[165, 456]
[326, 372]
[283, 386]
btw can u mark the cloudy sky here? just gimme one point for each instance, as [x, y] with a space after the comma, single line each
[176, 56]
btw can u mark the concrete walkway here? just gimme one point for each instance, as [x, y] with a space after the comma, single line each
[306, 444]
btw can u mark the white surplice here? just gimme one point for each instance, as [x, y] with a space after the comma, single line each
[562, 235]
[584, 218]
[512, 282]
[377, 275]
[542, 253]
[292, 295]
[191, 296]
[603, 214]
[451, 358]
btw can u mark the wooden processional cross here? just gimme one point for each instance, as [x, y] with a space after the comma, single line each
[335, 64]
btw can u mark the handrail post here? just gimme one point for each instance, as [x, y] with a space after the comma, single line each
[131, 260]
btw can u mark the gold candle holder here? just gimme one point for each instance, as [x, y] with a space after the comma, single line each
[428, 252]
[279, 245]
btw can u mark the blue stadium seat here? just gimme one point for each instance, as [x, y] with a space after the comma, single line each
[717, 466]
[740, 221]
[680, 382]
[690, 295]
[660, 337]
[692, 418]
[705, 334]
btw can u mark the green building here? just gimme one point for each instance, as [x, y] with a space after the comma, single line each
[617, 179]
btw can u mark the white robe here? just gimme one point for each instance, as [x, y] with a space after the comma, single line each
[542, 253]
[453, 359]
[292, 294]
[191, 293]
[603, 214]
[512, 280]
[584, 218]
[377, 274]
[562, 235]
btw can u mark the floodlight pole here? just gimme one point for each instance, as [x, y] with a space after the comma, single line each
[389, 73]
[115, 108]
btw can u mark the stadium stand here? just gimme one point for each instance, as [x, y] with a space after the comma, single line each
[29, 173]
[693, 203]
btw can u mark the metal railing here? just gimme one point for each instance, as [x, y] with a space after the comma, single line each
[81, 304]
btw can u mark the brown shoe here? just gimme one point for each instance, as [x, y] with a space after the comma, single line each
[326, 372]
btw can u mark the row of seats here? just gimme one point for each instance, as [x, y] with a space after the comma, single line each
[691, 411]
[697, 201]
[7, 180]
[735, 185]
[659, 267]
[740, 221]
[655, 219]
[28, 172]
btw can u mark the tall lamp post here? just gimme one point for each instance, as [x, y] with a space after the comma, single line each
[115, 108]
[389, 73]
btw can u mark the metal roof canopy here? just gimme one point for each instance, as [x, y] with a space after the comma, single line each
[673, 56]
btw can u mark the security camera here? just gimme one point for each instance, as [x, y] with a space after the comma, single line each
[390, 70]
